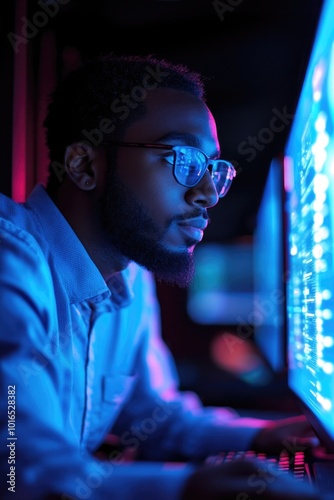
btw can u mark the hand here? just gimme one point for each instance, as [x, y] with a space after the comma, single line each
[246, 479]
[113, 449]
[293, 434]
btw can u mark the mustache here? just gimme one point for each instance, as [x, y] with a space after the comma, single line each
[195, 214]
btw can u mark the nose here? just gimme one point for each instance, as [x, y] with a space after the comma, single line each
[204, 193]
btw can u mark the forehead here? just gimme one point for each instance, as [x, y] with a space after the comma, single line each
[176, 113]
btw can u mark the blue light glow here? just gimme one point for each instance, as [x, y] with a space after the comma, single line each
[309, 169]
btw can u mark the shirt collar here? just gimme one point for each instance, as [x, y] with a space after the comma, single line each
[80, 276]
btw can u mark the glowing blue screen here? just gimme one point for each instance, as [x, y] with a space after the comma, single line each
[309, 183]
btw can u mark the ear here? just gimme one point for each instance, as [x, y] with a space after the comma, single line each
[80, 165]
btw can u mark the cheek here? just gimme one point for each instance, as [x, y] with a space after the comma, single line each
[157, 191]
[159, 203]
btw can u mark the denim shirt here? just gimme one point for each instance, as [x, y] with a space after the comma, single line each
[86, 358]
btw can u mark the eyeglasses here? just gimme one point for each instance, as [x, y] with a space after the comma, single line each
[190, 164]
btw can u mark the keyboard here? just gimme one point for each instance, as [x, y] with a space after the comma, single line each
[286, 461]
[299, 463]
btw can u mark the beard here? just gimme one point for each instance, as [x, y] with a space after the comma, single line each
[134, 234]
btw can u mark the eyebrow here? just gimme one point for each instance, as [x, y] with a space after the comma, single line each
[186, 139]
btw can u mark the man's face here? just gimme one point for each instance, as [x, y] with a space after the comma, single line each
[149, 217]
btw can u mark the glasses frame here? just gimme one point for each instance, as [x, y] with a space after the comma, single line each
[231, 172]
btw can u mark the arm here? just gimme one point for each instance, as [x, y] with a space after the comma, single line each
[162, 422]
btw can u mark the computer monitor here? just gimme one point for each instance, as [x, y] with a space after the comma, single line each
[221, 291]
[309, 184]
[269, 271]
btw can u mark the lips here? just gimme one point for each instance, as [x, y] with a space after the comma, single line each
[193, 228]
[198, 223]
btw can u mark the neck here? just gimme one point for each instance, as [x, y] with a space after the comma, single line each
[80, 209]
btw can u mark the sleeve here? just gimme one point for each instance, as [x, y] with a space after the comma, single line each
[37, 458]
[161, 422]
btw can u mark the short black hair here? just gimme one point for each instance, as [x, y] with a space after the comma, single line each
[98, 101]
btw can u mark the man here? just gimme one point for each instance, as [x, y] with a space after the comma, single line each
[133, 169]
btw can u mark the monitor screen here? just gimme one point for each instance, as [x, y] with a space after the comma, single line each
[221, 291]
[309, 183]
[269, 271]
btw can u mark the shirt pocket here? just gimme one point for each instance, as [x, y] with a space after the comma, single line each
[116, 388]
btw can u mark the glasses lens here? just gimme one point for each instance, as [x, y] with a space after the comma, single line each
[190, 165]
[222, 175]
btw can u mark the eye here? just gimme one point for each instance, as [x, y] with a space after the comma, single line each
[168, 157]
[189, 169]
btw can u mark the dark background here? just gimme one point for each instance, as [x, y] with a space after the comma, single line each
[254, 54]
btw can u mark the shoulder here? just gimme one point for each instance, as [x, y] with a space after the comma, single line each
[16, 229]
[12, 234]
[22, 261]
